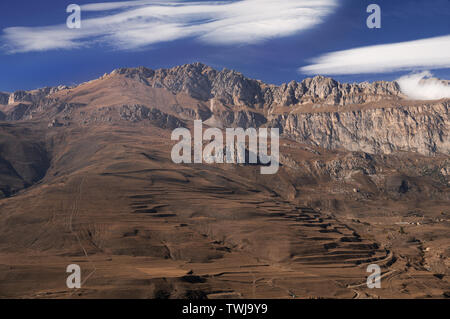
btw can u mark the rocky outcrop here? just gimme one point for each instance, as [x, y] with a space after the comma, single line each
[20, 96]
[33, 96]
[422, 129]
[137, 113]
[201, 82]
[75, 113]
[232, 88]
[4, 98]
[20, 111]
[327, 91]
[244, 119]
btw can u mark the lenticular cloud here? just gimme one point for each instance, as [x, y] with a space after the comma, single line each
[135, 24]
[429, 53]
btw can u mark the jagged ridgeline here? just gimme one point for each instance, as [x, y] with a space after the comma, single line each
[370, 117]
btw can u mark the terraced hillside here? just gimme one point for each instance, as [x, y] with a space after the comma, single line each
[142, 226]
[86, 178]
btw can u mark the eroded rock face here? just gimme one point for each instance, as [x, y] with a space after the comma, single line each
[19, 96]
[233, 88]
[244, 119]
[19, 112]
[4, 97]
[201, 82]
[327, 91]
[33, 96]
[302, 110]
[422, 129]
[136, 113]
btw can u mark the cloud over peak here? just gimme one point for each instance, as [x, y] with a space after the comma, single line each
[422, 86]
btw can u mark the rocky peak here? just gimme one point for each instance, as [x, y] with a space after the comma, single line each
[202, 82]
[319, 86]
[140, 73]
[32, 96]
[233, 88]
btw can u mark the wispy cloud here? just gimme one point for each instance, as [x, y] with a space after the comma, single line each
[431, 53]
[135, 24]
[106, 6]
[422, 86]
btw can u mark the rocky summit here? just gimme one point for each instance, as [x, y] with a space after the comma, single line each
[369, 117]
[233, 88]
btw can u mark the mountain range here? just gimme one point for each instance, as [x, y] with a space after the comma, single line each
[86, 177]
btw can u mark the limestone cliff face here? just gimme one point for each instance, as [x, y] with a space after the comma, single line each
[233, 88]
[34, 96]
[423, 129]
[314, 111]
[327, 91]
[201, 82]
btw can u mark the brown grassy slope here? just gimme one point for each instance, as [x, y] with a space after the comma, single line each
[113, 202]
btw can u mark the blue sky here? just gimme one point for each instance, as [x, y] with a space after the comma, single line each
[275, 41]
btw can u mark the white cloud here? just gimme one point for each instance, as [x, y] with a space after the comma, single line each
[106, 6]
[431, 53]
[421, 86]
[134, 24]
